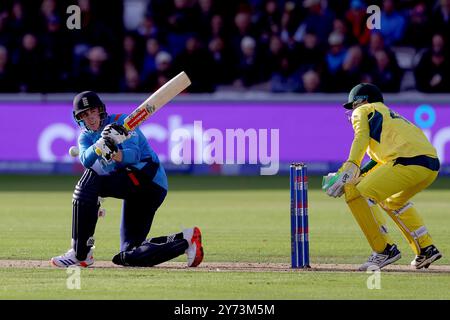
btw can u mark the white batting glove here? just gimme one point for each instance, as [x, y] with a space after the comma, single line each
[105, 147]
[116, 132]
[348, 173]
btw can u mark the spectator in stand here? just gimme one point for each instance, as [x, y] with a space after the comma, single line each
[433, 71]
[18, 24]
[207, 12]
[282, 64]
[309, 54]
[163, 73]
[376, 44]
[8, 81]
[184, 21]
[242, 28]
[217, 27]
[319, 19]
[148, 28]
[285, 78]
[48, 9]
[57, 55]
[441, 18]
[386, 73]
[132, 50]
[289, 24]
[93, 33]
[30, 58]
[160, 10]
[353, 67]
[393, 24]
[223, 63]
[341, 26]
[152, 48]
[198, 63]
[357, 17]
[334, 60]
[249, 65]
[311, 82]
[97, 75]
[276, 52]
[131, 81]
[269, 20]
[5, 36]
[418, 32]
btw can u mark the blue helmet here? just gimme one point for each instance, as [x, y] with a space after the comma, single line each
[87, 100]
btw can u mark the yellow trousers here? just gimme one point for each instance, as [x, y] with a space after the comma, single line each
[391, 186]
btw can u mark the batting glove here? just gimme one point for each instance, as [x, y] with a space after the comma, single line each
[107, 147]
[116, 132]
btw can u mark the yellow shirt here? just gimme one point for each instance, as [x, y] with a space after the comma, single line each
[385, 135]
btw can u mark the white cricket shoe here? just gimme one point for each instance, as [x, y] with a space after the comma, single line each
[195, 250]
[379, 260]
[69, 259]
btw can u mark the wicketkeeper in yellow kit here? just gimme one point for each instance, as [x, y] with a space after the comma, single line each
[403, 163]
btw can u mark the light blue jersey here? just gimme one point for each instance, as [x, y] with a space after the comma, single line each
[136, 152]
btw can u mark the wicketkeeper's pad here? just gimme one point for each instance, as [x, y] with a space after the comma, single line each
[366, 218]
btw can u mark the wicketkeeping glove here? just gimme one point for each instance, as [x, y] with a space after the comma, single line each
[116, 132]
[107, 146]
[333, 184]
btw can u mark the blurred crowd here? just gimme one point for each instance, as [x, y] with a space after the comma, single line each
[271, 45]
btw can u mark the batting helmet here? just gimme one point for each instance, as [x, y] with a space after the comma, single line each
[363, 91]
[87, 100]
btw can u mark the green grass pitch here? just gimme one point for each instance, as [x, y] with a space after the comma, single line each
[243, 219]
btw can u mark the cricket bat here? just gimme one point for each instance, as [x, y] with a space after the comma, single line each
[155, 102]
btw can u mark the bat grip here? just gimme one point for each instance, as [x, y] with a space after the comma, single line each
[98, 151]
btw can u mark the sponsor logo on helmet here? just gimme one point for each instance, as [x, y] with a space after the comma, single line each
[360, 97]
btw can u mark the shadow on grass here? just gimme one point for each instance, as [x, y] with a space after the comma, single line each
[176, 182]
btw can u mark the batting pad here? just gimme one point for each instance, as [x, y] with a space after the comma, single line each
[366, 218]
[411, 226]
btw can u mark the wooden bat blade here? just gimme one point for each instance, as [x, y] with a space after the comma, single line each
[158, 99]
[153, 103]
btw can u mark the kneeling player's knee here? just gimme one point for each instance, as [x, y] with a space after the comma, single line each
[150, 254]
[352, 192]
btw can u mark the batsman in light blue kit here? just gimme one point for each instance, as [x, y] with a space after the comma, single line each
[121, 164]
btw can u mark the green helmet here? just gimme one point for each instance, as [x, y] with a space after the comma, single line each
[364, 91]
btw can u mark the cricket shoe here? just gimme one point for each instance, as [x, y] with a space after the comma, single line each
[379, 260]
[195, 250]
[69, 259]
[427, 256]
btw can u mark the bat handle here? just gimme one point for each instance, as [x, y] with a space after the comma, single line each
[98, 151]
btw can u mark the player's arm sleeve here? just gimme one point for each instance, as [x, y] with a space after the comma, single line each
[131, 152]
[87, 156]
[361, 138]
[369, 165]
